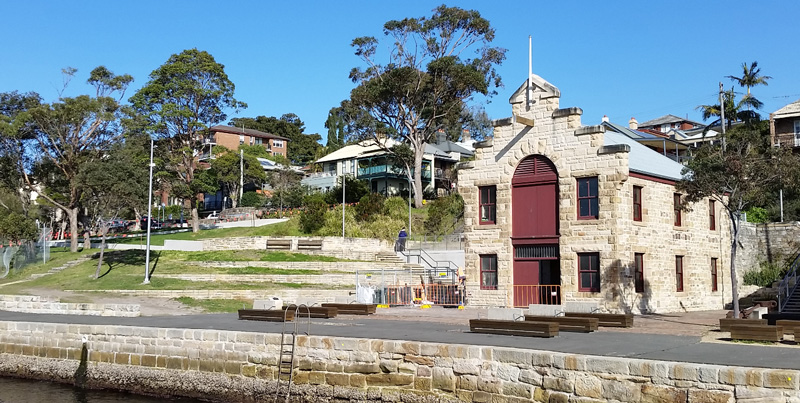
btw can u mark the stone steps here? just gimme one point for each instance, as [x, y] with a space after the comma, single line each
[60, 268]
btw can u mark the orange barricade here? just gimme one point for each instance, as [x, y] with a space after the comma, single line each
[525, 295]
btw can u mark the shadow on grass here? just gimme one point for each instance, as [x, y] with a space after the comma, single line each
[114, 259]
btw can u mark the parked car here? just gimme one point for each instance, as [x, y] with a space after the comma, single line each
[213, 216]
[154, 224]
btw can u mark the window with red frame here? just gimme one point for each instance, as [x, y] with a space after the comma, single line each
[679, 273]
[712, 215]
[488, 206]
[676, 201]
[587, 198]
[713, 274]
[638, 276]
[589, 272]
[488, 272]
[637, 203]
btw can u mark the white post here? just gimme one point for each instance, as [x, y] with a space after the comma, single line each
[781, 205]
[149, 217]
[344, 195]
[408, 233]
[241, 176]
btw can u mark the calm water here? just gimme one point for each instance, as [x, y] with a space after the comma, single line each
[24, 391]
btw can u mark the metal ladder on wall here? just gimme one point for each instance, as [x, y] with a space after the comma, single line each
[286, 358]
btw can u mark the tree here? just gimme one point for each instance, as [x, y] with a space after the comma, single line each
[71, 133]
[184, 97]
[17, 131]
[426, 81]
[281, 180]
[751, 76]
[301, 148]
[228, 171]
[737, 175]
[335, 125]
[741, 111]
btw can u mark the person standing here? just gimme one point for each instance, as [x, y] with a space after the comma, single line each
[401, 240]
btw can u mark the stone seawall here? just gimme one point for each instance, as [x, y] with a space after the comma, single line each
[236, 366]
[772, 243]
[37, 304]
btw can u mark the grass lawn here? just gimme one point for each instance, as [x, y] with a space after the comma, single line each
[124, 270]
[58, 256]
[217, 305]
[287, 228]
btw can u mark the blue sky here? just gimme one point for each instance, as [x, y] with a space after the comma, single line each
[623, 59]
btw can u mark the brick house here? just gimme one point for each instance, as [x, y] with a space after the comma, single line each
[556, 211]
[232, 137]
[784, 125]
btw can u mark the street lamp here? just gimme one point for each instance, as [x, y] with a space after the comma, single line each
[149, 217]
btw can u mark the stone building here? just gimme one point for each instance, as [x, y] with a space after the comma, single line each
[556, 212]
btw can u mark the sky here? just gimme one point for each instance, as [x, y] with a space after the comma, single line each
[623, 59]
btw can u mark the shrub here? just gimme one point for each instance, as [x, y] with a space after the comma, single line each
[370, 206]
[355, 189]
[757, 215]
[766, 274]
[397, 208]
[312, 218]
[252, 199]
[444, 213]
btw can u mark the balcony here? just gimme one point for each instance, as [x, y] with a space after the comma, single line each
[380, 171]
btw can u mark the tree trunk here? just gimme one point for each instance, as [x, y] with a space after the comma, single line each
[138, 215]
[103, 231]
[734, 279]
[417, 188]
[195, 219]
[73, 229]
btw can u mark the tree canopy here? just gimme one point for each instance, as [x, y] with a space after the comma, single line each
[227, 168]
[185, 96]
[436, 64]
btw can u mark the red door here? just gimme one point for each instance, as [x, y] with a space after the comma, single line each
[526, 281]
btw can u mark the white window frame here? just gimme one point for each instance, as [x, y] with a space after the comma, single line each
[277, 143]
[797, 133]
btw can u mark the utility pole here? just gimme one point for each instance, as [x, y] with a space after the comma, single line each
[344, 195]
[149, 218]
[241, 176]
[722, 115]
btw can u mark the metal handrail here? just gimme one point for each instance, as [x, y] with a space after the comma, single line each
[421, 255]
[784, 291]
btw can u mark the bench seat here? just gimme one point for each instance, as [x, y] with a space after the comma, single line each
[725, 323]
[583, 325]
[514, 328]
[756, 332]
[320, 312]
[279, 244]
[309, 244]
[606, 319]
[789, 326]
[269, 315]
[353, 309]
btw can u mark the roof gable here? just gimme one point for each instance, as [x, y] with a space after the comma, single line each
[788, 110]
[540, 87]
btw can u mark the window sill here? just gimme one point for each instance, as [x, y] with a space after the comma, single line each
[640, 223]
[487, 226]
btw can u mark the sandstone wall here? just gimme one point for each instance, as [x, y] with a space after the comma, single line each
[37, 304]
[774, 243]
[241, 366]
[344, 248]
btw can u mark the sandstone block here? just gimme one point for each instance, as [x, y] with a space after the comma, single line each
[588, 386]
[661, 394]
[467, 382]
[361, 368]
[390, 379]
[490, 385]
[710, 396]
[471, 367]
[558, 397]
[517, 390]
[423, 384]
[419, 360]
[508, 373]
[316, 378]
[337, 379]
[781, 379]
[444, 379]
[408, 368]
[619, 390]
[389, 365]
[358, 380]
[530, 377]
[481, 397]
[558, 384]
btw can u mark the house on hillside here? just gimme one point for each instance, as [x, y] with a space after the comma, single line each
[666, 123]
[232, 137]
[368, 161]
[670, 148]
[556, 211]
[784, 125]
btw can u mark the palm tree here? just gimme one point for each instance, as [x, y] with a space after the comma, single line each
[734, 111]
[751, 76]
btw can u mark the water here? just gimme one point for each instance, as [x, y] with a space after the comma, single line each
[26, 391]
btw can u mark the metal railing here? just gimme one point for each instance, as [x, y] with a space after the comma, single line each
[788, 285]
[436, 242]
[436, 269]
[428, 294]
[525, 295]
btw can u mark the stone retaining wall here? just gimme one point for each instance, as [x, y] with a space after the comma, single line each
[36, 304]
[287, 295]
[241, 366]
[774, 242]
[330, 279]
[344, 248]
[350, 267]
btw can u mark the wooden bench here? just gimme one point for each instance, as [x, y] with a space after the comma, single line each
[279, 244]
[740, 331]
[606, 319]
[514, 328]
[583, 325]
[353, 309]
[323, 312]
[725, 323]
[270, 315]
[789, 326]
[309, 244]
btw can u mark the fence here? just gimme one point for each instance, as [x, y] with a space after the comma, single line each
[525, 295]
[436, 242]
[393, 287]
[428, 294]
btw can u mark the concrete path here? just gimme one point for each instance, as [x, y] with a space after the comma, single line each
[605, 343]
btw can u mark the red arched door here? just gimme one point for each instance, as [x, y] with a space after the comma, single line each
[534, 232]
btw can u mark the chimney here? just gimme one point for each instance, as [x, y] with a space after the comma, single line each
[633, 124]
[465, 136]
[605, 118]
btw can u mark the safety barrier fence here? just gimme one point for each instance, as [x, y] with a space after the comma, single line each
[525, 295]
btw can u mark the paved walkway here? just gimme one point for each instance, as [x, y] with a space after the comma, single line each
[429, 326]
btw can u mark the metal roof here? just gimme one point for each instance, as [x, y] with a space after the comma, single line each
[644, 160]
[668, 119]
[790, 109]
